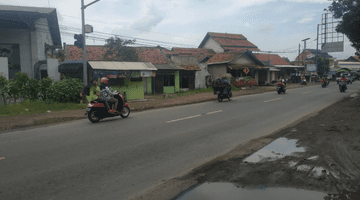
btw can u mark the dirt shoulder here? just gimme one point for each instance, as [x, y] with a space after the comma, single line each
[151, 102]
[332, 135]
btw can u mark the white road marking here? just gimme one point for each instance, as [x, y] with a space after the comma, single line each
[209, 113]
[305, 92]
[272, 100]
[183, 118]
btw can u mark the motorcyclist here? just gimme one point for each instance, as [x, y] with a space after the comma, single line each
[227, 89]
[106, 93]
[93, 90]
[282, 81]
[343, 78]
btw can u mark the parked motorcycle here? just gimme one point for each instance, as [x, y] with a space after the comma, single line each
[342, 86]
[281, 87]
[96, 109]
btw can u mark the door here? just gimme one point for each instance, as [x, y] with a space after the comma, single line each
[191, 82]
[43, 74]
[159, 88]
[262, 77]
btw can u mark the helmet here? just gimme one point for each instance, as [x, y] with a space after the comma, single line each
[343, 76]
[104, 80]
[223, 76]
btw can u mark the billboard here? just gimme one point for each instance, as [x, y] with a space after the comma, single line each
[333, 47]
[311, 67]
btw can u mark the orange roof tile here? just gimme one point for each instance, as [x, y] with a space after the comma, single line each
[227, 35]
[227, 42]
[274, 59]
[145, 54]
[222, 57]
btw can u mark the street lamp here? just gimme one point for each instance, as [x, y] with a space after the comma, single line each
[304, 52]
[83, 7]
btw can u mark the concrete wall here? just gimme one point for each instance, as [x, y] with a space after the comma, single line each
[200, 76]
[52, 69]
[244, 60]
[212, 44]
[4, 68]
[31, 44]
[21, 37]
[216, 71]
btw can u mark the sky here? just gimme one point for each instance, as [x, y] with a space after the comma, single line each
[272, 25]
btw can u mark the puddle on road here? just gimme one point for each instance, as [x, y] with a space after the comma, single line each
[228, 191]
[277, 149]
[355, 95]
[313, 158]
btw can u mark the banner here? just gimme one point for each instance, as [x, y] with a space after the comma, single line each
[311, 67]
[147, 73]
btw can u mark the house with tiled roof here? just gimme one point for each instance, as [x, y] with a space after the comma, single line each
[193, 61]
[233, 63]
[278, 65]
[167, 79]
[308, 55]
[353, 59]
[223, 42]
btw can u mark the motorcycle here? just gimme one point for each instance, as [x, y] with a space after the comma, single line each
[342, 86]
[96, 109]
[221, 94]
[324, 83]
[303, 82]
[281, 87]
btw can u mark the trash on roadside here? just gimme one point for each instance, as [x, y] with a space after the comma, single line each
[48, 111]
[322, 124]
[331, 165]
[27, 109]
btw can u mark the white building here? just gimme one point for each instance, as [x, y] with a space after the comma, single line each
[26, 33]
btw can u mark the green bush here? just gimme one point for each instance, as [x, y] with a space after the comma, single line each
[34, 89]
[45, 85]
[65, 91]
[4, 88]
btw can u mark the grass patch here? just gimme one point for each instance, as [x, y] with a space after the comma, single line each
[192, 92]
[32, 107]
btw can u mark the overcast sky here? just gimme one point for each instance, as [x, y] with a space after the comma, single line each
[272, 25]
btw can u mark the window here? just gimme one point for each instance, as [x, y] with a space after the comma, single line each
[116, 81]
[136, 79]
[169, 80]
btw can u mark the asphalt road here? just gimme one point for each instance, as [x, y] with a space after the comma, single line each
[119, 157]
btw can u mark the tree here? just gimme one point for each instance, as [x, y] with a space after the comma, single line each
[286, 59]
[349, 25]
[118, 49]
[323, 66]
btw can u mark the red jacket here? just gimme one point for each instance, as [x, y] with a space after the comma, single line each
[343, 79]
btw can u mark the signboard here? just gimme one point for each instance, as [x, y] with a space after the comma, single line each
[333, 47]
[147, 73]
[246, 71]
[310, 56]
[311, 67]
[113, 74]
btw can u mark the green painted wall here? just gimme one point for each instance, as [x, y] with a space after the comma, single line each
[134, 90]
[177, 81]
[149, 85]
[169, 89]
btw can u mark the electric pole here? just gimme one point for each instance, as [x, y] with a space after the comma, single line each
[83, 7]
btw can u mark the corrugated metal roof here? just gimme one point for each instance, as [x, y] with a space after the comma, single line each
[290, 66]
[26, 9]
[117, 65]
[168, 67]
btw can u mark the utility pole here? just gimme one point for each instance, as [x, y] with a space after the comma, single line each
[299, 56]
[317, 47]
[83, 7]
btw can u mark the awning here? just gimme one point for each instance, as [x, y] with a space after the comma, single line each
[117, 65]
[288, 66]
[246, 66]
[272, 69]
[191, 67]
[168, 67]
